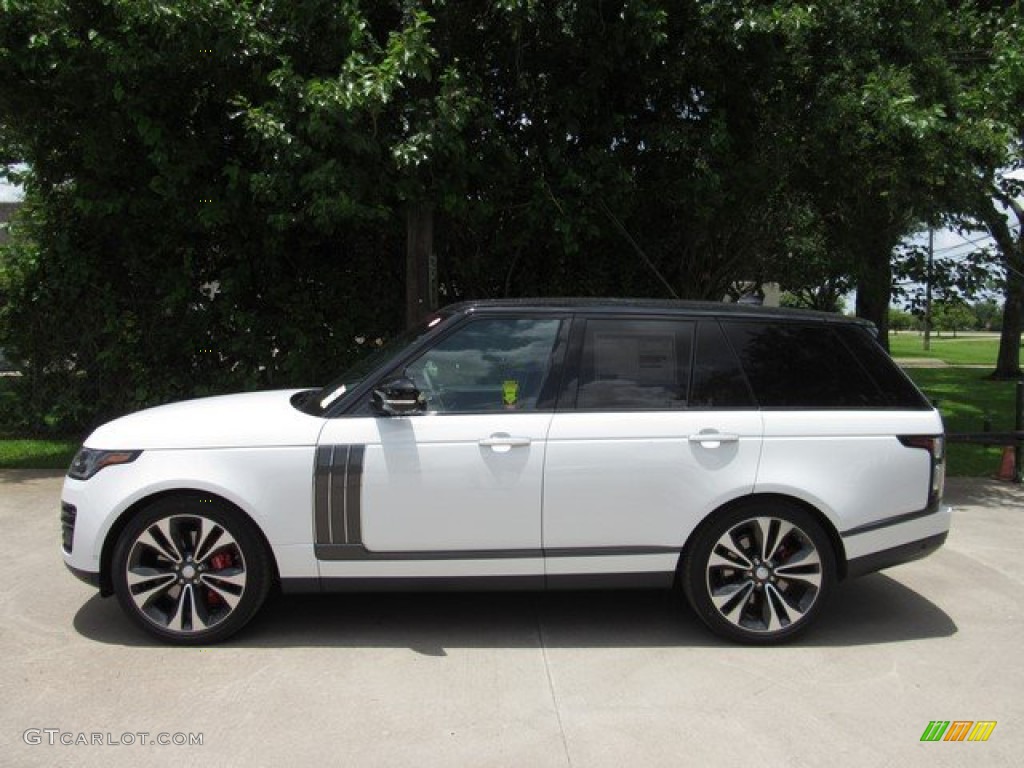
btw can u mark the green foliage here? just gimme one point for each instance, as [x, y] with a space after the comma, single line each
[217, 189]
[952, 316]
[900, 320]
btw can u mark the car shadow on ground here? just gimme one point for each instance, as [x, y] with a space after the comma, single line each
[871, 610]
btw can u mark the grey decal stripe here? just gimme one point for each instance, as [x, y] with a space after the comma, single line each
[354, 495]
[321, 495]
[337, 492]
[330, 495]
[359, 552]
[339, 461]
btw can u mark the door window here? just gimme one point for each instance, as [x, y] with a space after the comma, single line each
[487, 365]
[635, 364]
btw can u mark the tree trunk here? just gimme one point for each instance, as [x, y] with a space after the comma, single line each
[420, 268]
[1008, 360]
[874, 291]
[1012, 250]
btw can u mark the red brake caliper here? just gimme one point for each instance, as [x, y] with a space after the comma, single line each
[218, 562]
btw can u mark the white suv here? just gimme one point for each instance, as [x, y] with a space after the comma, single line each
[752, 457]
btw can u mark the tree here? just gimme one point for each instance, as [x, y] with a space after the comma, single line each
[988, 314]
[991, 140]
[901, 320]
[952, 316]
[267, 182]
[203, 196]
[867, 95]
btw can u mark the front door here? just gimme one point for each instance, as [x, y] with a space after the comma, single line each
[464, 479]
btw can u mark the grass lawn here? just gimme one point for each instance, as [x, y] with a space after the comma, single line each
[976, 349]
[18, 453]
[965, 399]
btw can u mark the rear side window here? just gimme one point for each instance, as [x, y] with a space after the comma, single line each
[895, 388]
[794, 365]
[635, 364]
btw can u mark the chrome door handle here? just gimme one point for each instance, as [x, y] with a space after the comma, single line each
[500, 440]
[711, 439]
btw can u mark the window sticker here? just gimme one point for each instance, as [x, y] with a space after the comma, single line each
[510, 393]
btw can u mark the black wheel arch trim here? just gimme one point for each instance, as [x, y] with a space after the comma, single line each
[834, 537]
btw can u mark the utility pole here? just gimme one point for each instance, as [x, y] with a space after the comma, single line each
[928, 291]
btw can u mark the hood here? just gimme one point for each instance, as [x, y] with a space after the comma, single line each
[251, 420]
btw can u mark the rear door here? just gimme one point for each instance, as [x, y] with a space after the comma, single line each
[655, 427]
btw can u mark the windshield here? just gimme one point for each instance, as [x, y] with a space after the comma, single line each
[333, 392]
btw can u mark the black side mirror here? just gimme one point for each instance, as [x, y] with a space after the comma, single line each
[397, 398]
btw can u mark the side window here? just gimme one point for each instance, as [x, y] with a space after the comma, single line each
[635, 364]
[718, 380]
[793, 365]
[896, 390]
[490, 364]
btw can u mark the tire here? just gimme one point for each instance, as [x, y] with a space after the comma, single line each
[190, 570]
[759, 573]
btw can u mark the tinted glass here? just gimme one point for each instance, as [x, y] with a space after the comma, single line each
[635, 364]
[895, 388]
[718, 381]
[793, 365]
[490, 364]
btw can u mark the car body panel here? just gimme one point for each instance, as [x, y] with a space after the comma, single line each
[271, 485]
[248, 420]
[637, 479]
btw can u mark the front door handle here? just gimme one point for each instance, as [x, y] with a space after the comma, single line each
[711, 439]
[500, 442]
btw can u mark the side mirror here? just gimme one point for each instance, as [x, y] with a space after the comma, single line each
[397, 398]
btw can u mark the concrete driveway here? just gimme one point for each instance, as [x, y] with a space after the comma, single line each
[572, 679]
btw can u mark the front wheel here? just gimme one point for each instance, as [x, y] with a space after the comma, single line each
[190, 570]
[759, 573]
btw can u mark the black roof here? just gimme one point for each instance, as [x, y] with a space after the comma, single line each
[653, 306]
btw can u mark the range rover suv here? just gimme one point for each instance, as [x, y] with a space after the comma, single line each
[750, 458]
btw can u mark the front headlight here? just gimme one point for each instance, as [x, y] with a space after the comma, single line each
[89, 461]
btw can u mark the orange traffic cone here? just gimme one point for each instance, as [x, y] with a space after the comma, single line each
[1007, 469]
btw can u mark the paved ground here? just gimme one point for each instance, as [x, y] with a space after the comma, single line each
[602, 679]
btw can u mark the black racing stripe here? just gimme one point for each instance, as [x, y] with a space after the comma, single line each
[354, 496]
[321, 491]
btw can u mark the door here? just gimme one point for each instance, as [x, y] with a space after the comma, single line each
[462, 480]
[657, 429]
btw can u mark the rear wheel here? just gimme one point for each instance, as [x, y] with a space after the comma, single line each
[759, 573]
[190, 570]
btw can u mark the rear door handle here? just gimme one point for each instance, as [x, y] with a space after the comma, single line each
[501, 442]
[711, 439]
